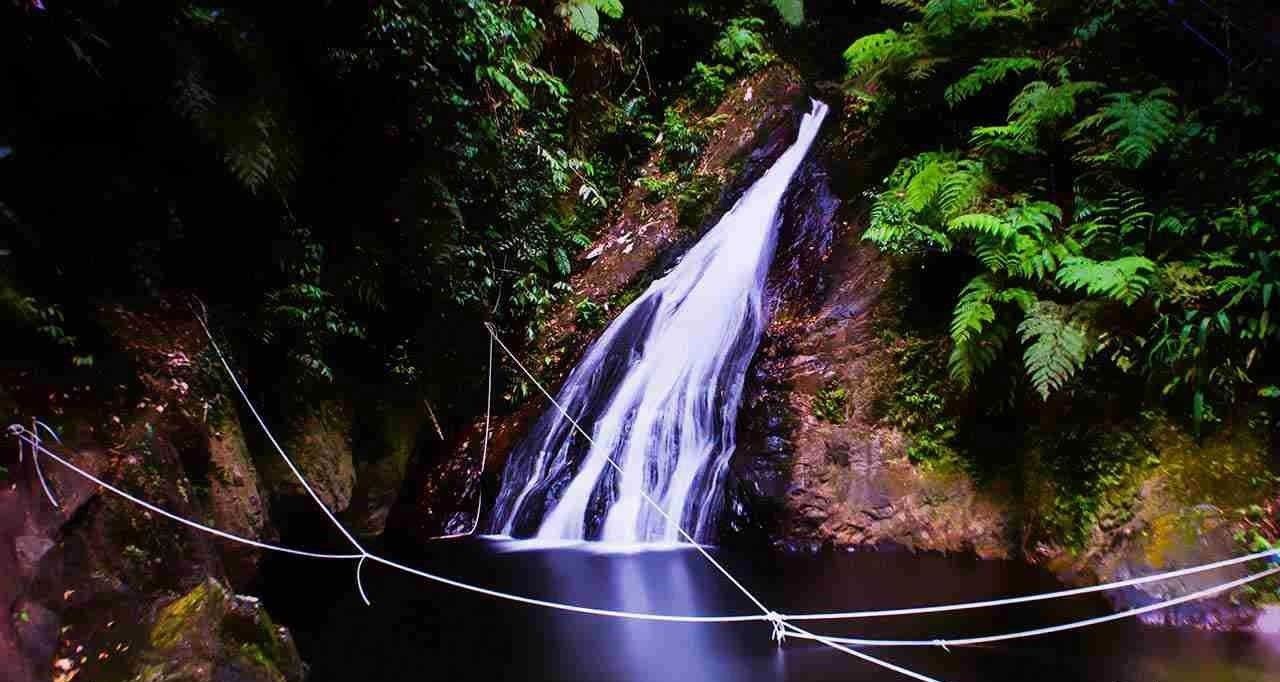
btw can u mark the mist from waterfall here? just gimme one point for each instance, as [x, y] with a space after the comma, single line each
[658, 391]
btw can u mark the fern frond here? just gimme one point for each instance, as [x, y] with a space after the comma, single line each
[924, 185]
[982, 223]
[912, 5]
[1137, 123]
[1123, 280]
[973, 310]
[791, 11]
[1056, 348]
[963, 187]
[1039, 106]
[886, 52]
[976, 334]
[988, 72]
[969, 359]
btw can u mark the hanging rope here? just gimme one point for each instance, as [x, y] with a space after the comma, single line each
[1075, 625]
[366, 555]
[35, 460]
[780, 622]
[24, 436]
[292, 467]
[1059, 594]
[32, 440]
[484, 455]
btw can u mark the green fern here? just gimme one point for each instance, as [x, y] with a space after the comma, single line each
[1111, 220]
[584, 15]
[791, 11]
[976, 333]
[963, 187]
[973, 310]
[1056, 347]
[988, 72]
[1123, 280]
[888, 51]
[1038, 108]
[982, 223]
[1138, 123]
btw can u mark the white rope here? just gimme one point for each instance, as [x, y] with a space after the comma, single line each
[484, 455]
[774, 618]
[24, 435]
[779, 621]
[35, 461]
[1059, 594]
[1075, 625]
[292, 467]
[360, 582]
[50, 431]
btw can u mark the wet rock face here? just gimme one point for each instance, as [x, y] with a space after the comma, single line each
[80, 583]
[814, 465]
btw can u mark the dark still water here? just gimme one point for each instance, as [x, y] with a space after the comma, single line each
[419, 630]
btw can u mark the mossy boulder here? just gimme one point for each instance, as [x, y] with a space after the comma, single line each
[1183, 502]
[210, 634]
[319, 442]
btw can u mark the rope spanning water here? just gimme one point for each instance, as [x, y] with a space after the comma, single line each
[782, 627]
[364, 554]
[1075, 625]
[24, 436]
[1058, 594]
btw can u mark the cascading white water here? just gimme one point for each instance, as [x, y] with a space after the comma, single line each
[659, 390]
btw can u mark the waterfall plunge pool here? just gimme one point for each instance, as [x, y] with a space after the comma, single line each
[420, 630]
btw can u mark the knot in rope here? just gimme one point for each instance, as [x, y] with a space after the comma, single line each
[942, 643]
[779, 623]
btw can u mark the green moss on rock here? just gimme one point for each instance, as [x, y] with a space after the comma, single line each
[208, 634]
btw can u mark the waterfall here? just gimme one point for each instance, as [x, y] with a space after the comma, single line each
[658, 391]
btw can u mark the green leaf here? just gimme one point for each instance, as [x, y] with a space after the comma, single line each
[609, 8]
[518, 98]
[791, 11]
[1123, 279]
[584, 20]
[982, 223]
[974, 331]
[1138, 124]
[1056, 349]
[988, 72]
[563, 266]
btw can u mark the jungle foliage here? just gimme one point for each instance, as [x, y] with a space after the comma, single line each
[1109, 170]
[353, 194]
